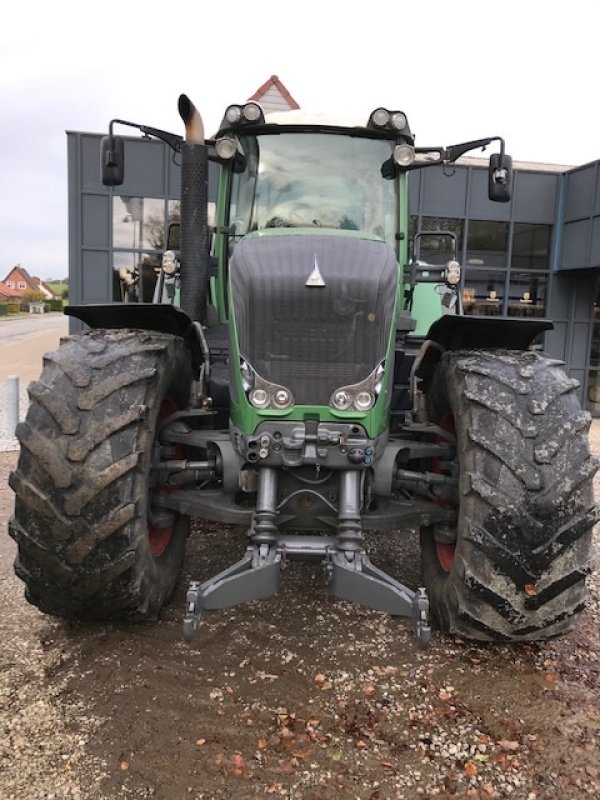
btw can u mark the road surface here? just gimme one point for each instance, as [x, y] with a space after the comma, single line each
[24, 341]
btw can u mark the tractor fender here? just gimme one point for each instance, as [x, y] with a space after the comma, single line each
[157, 317]
[486, 333]
[459, 332]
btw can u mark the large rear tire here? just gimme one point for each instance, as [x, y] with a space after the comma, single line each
[88, 543]
[525, 500]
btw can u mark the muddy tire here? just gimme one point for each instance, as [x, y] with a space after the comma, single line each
[86, 547]
[526, 508]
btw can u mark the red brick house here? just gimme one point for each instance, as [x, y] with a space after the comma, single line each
[19, 282]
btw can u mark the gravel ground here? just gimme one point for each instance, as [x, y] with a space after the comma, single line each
[294, 696]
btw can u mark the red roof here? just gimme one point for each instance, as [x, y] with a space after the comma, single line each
[275, 82]
[10, 294]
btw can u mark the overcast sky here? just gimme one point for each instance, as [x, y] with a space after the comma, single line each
[527, 71]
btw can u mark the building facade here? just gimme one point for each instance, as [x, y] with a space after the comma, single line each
[538, 255]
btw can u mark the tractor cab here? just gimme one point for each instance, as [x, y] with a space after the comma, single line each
[308, 175]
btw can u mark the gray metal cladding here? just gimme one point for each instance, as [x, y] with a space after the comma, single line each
[313, 339]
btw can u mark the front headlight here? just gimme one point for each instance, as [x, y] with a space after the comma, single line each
[380, 117]
[233, 114]
[385, 119]
[246, 114]
[226, 148]
[263, 394]
[259, 398]
[404, 155]
[399, 120]
[364, 401]
[169, 262]
[282, 398]
[342, 400]
[359, 396]
[452, 273]
[252, 112]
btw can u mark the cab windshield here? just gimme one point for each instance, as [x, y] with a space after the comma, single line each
[314, 180]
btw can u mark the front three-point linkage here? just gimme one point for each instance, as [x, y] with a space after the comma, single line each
[351, 574]
[255, 576]
[355, 578]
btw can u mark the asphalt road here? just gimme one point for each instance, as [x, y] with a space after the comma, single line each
[24, 341]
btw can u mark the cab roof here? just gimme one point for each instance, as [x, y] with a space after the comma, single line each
[327, 119]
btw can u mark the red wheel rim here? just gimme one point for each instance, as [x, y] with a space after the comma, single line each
[445, 551]
[159, 538]
[445, 555]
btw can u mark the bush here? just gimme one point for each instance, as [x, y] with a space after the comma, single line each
[55, 304]
[13, 308]
[33, 297]
[3, 309]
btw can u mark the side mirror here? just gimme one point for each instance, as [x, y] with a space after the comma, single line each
[112, 160]
[500, 178]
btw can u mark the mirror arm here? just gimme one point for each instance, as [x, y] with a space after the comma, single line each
[171, 139]
[455, 151]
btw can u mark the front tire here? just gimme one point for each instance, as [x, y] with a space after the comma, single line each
[89, 545]
[525, 499]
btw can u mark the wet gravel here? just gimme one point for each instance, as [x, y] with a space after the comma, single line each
[295, 696]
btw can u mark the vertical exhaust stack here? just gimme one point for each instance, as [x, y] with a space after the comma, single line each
[194, 213]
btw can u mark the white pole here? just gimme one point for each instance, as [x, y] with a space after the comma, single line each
[12, 403]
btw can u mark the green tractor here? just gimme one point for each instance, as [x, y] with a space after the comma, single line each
[304, 374]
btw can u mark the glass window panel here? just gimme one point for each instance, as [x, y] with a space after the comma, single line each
[139, 222]
[531, 246]
[304, 180]
[483, 292]
[154, 231]
[596, 309]
[174, 211]
[174, 225]
[487, 243]
[527, 294]
[593, 392]
[148, 275]
[595, 349]
[440, 249]
[173, 237]
[134, 276]
[124, 280]
[127, 216]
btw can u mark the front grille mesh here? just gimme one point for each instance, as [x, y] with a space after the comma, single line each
[313, 339]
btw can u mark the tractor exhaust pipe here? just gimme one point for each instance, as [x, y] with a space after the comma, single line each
[194, 213]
